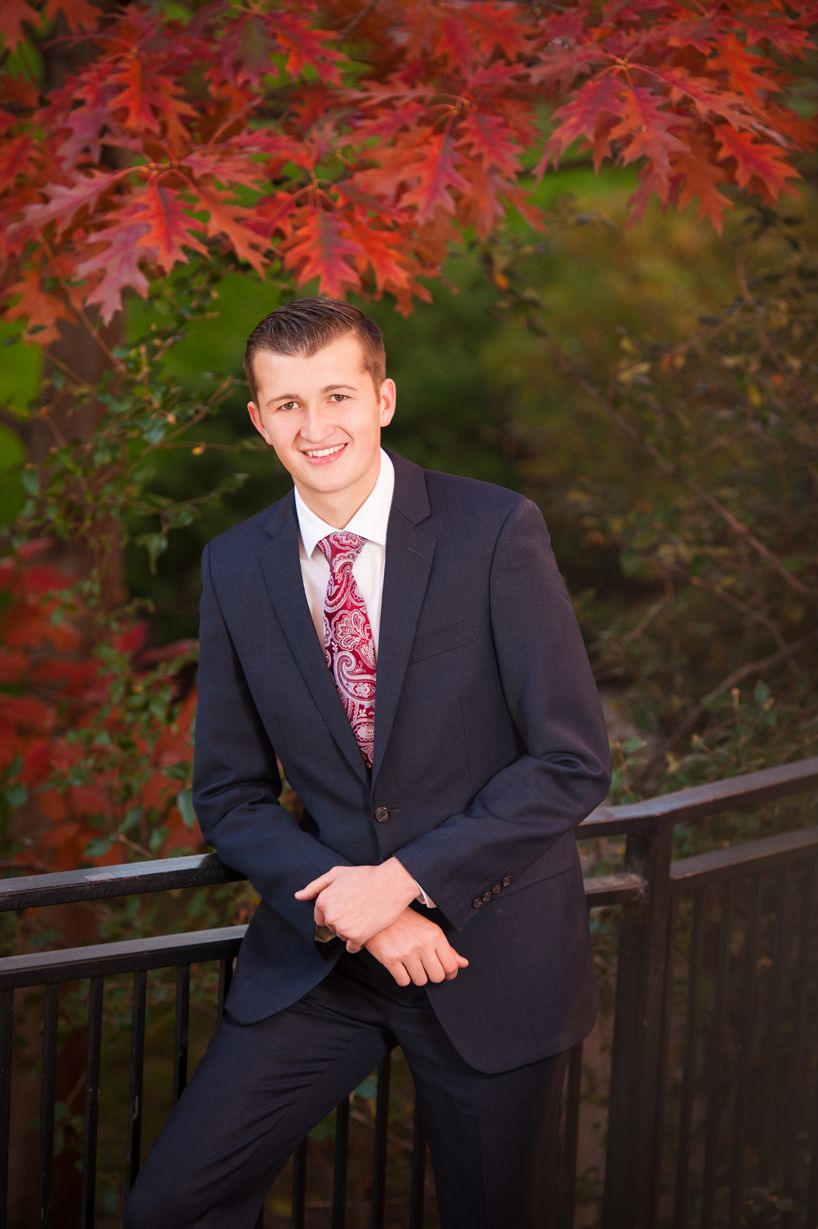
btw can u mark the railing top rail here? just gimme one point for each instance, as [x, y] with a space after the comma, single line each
[123, 879]
[764, 853]
[198, 870]
[699, 801]
[121, 956]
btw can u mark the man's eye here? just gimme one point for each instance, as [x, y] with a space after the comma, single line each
[339, 396]
[288, 405]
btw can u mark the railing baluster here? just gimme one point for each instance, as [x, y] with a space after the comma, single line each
[417, 1182]
[6, 1050]
[379, 1144]
[743, 1073]
[767, 1113]
[139, 983]
[631, 1148]
[90, 1120]
[47, 1098]
[716, 1056]
[181, 1030]
[812, 1193]
[795, 1083]
[225, 978]
[339, 1167]
[570, 1138]
[688, 1083]
[664, 1042]
[299, 1186]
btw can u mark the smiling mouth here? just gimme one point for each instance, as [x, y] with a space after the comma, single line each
[324, 452]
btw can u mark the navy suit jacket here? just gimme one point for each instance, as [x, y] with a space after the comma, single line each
[490, 747]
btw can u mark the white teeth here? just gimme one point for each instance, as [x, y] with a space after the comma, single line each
[324, 452]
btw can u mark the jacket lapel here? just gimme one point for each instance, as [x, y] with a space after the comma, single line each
[282, 574]
[409, 553]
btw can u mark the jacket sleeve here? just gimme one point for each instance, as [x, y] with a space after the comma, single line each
[563, 771]
[236, 783]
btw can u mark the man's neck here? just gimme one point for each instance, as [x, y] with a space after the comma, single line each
[337, 508]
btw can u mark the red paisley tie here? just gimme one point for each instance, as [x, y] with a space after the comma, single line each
[348, 642]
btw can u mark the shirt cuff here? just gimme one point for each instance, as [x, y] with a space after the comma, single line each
[423, 898]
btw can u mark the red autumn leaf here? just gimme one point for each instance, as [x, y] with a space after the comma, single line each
[434, 177]
[496, 27]
[169, 233]
[581, 117]
[322, 247]
[756, 162]
[645, 130]
[67, 200]
[78, 14]
[384, 252]
[39, 309]
[305, 46]
[115, 267]
[489, 138]
[744, 71]
[226, 218]
[697, 178]
[13, 14]
[149, 101]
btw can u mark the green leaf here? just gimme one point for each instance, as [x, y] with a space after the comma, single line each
[184, 801]
[98, 846]
[180, 771]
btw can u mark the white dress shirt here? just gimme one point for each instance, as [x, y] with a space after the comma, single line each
[369, 522]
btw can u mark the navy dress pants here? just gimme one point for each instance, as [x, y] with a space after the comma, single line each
[259, 1088]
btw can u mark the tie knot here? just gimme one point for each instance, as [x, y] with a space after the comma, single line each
[341, 549]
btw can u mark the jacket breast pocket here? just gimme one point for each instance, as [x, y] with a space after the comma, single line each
[429, 644]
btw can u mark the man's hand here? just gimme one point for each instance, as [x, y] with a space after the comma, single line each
[359, 901]
[415, 949]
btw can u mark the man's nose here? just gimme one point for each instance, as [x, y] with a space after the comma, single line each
[314, 424]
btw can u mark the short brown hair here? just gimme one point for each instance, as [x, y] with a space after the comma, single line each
[305, 326]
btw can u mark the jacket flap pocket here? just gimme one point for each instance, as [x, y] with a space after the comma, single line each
[451, 637]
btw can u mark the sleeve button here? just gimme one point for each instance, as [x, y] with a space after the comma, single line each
[497, 889]
[486, 897]
[506, 881]
[381, 814]
[477, 903]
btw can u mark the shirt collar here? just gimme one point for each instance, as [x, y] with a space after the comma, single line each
[370, 521]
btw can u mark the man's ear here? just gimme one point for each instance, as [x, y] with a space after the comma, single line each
[257, 420]
[388, 400]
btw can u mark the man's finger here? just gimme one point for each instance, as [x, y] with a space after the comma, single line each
[400, 974]
[315, 886]
[353, 947]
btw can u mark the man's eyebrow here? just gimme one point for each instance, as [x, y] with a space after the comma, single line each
[328, 388]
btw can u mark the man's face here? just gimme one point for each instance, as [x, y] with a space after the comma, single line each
[322, 415]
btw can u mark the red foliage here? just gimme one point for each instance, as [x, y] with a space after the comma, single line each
[65, 695]
[352, 143]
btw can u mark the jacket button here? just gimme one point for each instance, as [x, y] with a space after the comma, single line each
[381, 814]
[477, 903]
[486, 897]
[506, 881]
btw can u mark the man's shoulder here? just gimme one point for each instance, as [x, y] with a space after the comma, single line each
[252, 531]
[454, 495]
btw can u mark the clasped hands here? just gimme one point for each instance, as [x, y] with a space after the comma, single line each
[368, 906]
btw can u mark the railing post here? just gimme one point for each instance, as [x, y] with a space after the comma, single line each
[633, 1146]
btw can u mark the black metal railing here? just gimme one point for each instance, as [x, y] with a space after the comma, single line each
[701, 1082]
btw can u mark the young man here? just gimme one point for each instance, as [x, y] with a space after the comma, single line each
[403, 642]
